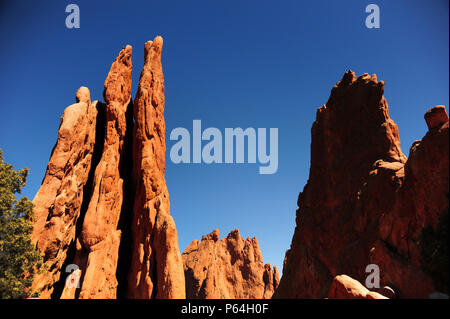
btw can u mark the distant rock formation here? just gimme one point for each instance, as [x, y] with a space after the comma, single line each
[364, 202]
[105, 183]
[229, 268]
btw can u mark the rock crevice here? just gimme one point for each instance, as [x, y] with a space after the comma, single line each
[105, 177]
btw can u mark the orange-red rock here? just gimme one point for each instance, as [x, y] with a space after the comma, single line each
[364, 203]
[59, 199]
[104, 205]
[344, 287]
[99, 240]
[436, 116]
[156, 266]
[228, 268]
[419, 202]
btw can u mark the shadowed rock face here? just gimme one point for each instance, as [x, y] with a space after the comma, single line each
[58, 201]
[364, 201]
[105, 179]
[99, 240]
[229, 268]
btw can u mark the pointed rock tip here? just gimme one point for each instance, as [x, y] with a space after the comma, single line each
[374, 78]
[147, 46]
[367, 78]
[158, 40]
[234, 234]
[364, 76]
[436, 116]
[83, 95]
[348, 78]
[214, 235]
[124, 56]
[157, 43]
[126, 50]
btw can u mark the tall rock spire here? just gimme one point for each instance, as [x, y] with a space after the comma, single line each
[58, 202]
[362, 205]
[99, 240]
[103, 209]
[231, 268]
[156, 266]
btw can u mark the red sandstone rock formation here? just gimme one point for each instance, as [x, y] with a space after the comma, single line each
[156, 265]
[364, 203]
[99, 240]
[344, 287]
[58, 201]
[419, 202]
[99, 168]
[230, 268]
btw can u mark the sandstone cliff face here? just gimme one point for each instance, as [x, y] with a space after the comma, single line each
[364, 203]
[99, 171]
[228, 268]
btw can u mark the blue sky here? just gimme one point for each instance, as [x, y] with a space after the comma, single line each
[230, 64]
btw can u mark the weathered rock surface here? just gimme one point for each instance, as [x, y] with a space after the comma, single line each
[344, 287]
[436, 117]
[102, 166]
[364, 203]
[420, 201]
[228, 268]
[156, 265]
[99, 240]
[58, 201]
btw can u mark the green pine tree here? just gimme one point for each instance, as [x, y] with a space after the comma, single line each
[19, 260]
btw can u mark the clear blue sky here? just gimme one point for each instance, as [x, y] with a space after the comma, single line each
[231, 64]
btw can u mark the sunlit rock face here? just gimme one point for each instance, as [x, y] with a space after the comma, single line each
[103, 208]
[231, 268]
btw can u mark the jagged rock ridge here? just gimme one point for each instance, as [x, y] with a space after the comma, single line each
[364, 202]
[229, 268]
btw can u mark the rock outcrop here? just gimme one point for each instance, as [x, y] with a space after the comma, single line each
[58, 202]
[364, 202]
[104, 183]
[156, 265]
[228, 268]
[99, 240]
